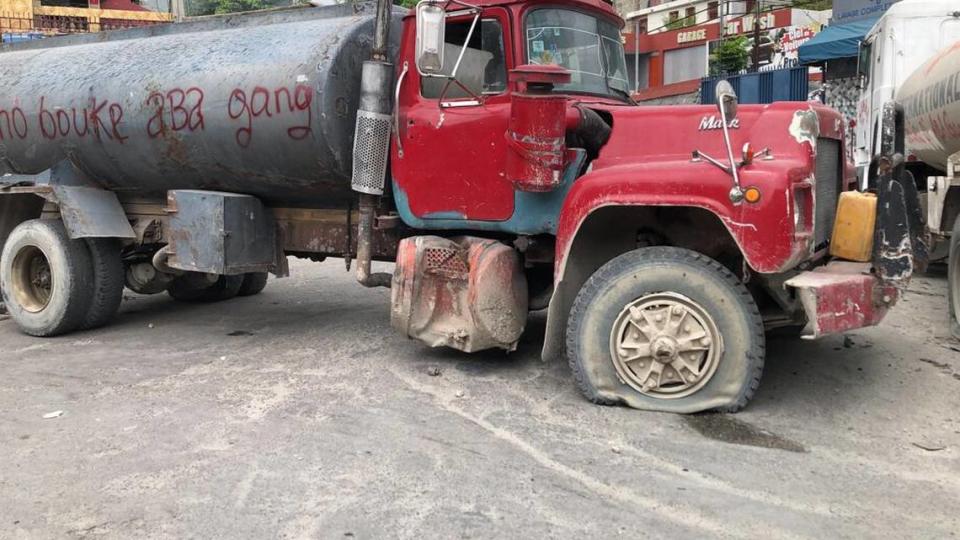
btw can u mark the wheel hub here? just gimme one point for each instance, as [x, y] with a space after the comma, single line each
[32, 279]
[665, 345]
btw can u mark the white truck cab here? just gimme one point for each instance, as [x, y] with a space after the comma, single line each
[905, 37]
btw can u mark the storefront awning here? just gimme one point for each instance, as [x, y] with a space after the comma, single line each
[839, 41]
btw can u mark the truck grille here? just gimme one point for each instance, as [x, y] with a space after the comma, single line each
[827, 189]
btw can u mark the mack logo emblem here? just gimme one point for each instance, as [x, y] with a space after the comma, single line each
[714, 122]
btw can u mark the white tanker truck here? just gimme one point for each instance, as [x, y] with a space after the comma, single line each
[930, 99]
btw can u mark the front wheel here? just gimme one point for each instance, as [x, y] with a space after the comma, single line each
[666, 329]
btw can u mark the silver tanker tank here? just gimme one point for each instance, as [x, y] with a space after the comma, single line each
[931, 103]
[262, 103]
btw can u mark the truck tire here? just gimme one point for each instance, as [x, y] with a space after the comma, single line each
[225, 288]
[666, 329]
[189, 287]
[46, 278]
[108, 281]
[953, 279]
[196, 288]
[253, 283]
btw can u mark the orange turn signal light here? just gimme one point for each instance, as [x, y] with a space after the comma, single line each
[751, 195]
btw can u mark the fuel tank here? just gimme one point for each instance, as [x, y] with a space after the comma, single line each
[262, 103]
[931, 104]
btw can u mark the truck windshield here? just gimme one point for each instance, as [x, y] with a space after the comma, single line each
[587, 46]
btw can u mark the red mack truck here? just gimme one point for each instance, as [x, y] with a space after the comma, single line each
[489, 148]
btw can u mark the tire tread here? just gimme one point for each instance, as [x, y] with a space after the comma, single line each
[681, 255]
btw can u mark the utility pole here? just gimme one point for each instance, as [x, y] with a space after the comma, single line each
[720, 6]
[756, 37]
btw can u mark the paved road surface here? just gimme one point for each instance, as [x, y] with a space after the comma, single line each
[300, 414]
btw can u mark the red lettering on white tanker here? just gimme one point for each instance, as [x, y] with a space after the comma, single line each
[13, 123]
[175, 110]
[60, 123]
[258, 103]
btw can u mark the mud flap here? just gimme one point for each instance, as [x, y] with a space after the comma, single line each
[466, 293]
[92, 213]
[899, 243]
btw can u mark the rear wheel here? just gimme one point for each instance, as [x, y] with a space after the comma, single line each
[190, 287]
[205, 288]
[108, 280]
[46, 278]
[953, 279]
[666, 329]
[225, 288]
[253, 283]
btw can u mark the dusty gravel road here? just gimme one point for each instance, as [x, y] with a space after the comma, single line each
[300, 414]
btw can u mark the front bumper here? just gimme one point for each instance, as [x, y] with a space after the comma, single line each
[842, 296]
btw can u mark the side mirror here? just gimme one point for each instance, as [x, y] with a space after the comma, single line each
[726, 100]
[431, 24]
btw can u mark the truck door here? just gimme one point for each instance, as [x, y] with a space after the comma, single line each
[450, 151]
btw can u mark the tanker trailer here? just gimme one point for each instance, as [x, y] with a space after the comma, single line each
[104, 126]
[930, 99]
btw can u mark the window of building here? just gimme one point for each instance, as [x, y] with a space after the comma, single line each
[713, 10]
[684, 64]
[483, 69]
[642, 26]
[673, 16]
[691, 16]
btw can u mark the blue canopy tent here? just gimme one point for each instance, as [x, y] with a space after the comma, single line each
[838, 41]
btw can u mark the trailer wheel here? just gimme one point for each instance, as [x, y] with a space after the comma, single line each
[953, 279]
[200, 288]
[189, 287]
[253, 283]
[46, 278]
[666, 329]
[108, 281]
[225, 288]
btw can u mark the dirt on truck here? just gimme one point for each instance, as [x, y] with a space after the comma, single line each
[491, 150]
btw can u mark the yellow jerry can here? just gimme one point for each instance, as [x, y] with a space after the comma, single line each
[853, 226]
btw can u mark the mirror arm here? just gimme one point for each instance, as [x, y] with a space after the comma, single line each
[443, 94]
[456, 66]
[736, 193]
[697, 155]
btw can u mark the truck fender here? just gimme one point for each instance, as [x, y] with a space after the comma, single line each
[87, 210]
[91, 212]
[573, 267]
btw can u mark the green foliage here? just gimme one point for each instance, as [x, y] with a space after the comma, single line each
[730, 56]
[817, 5]
[682, 22]
[410, 4]
[235, 6]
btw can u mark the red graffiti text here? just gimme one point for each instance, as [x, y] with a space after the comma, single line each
[13, 123]
[260, 102]
[175, 110]
[100, 119]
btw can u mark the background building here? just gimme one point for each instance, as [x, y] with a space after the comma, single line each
[29, 19]
[671, 46]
